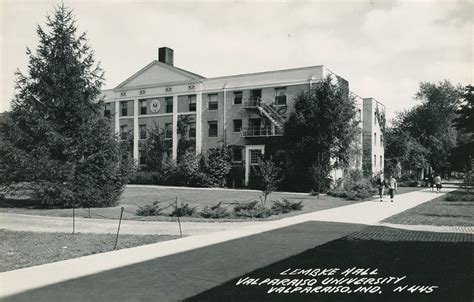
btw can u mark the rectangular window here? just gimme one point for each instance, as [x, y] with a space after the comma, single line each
[237, 154]
[142, 107]
[381, 140]
[169, 104]
[375, 139]
[142, 158]
[237, 125]
[192, 130]
[255, 122]
[375, 117]
[107, 109]
[381, 161]
[256, 93]
[255, 155]
[237, 97]
[212, 127]
[280, 96]
[192, 102]
[168, 131]
[124, 108]
[123, 132]
[375, 160]
[213, 103]
[142, 131]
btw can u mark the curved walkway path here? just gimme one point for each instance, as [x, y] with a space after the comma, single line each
[35, 223]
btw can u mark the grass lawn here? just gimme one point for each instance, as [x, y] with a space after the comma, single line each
[24, 249]
[134, 197]
[458, 212]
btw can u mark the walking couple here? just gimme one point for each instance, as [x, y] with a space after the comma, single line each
[391, 184]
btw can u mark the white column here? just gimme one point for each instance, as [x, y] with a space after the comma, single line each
[225, 114]
[175, 127]
[135, 129]
[199, 119]
[117, 117]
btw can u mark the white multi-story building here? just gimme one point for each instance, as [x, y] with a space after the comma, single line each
[246, 111]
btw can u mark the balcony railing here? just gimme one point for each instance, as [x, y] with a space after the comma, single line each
[252, 102]
[261, 131]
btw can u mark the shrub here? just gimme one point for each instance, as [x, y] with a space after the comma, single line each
[146, 178]
[183, 210]
[150, 210]
[286, 206]
[355, 186]
[218, 166]
[253, 209]
[217, 211]
[359, 195]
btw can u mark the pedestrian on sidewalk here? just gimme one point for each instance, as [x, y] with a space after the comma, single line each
[431, 180]
[437, 181]
[392, 187]
[380, 185]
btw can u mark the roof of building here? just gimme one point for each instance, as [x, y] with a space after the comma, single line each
[156, 73]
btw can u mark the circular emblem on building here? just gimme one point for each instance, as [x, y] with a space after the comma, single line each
[155, 105]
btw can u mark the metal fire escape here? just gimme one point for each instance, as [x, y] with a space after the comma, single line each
[270, 113]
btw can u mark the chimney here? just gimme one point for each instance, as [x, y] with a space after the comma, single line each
[165, 55]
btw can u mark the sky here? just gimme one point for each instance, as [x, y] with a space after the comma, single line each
[383, 48]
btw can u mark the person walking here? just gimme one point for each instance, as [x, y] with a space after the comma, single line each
[380, 185]
[392, 187]
[437, 181]
[431, 180]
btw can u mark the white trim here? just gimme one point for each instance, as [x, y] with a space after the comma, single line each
[199, 119]
[175, 128]
[225, 114]
[135, 129]
[117, 117]
[188, 112]
[156, 115]
[247, 159]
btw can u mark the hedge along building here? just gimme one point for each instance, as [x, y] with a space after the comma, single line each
[247, 111]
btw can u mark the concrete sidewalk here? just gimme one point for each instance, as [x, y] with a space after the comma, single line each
[365, 213]
[36, 223]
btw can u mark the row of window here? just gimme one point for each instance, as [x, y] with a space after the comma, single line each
[142, 132]
[213, 102]
[375, 161]
[237, 155]
[212, 128]
[375, 139]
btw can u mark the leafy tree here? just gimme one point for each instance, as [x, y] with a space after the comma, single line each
[401, 147]
[431, 122]
[323, 126]
[269, 175]
[464, 122]
[218, 165]
[58, 139]
[155, 148]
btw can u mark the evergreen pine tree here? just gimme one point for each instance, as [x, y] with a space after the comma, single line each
[57, 139]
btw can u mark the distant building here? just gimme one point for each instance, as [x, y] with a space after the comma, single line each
[246, 111]
[373, 139]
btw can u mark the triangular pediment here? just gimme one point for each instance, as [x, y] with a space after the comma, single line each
[157, 73]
